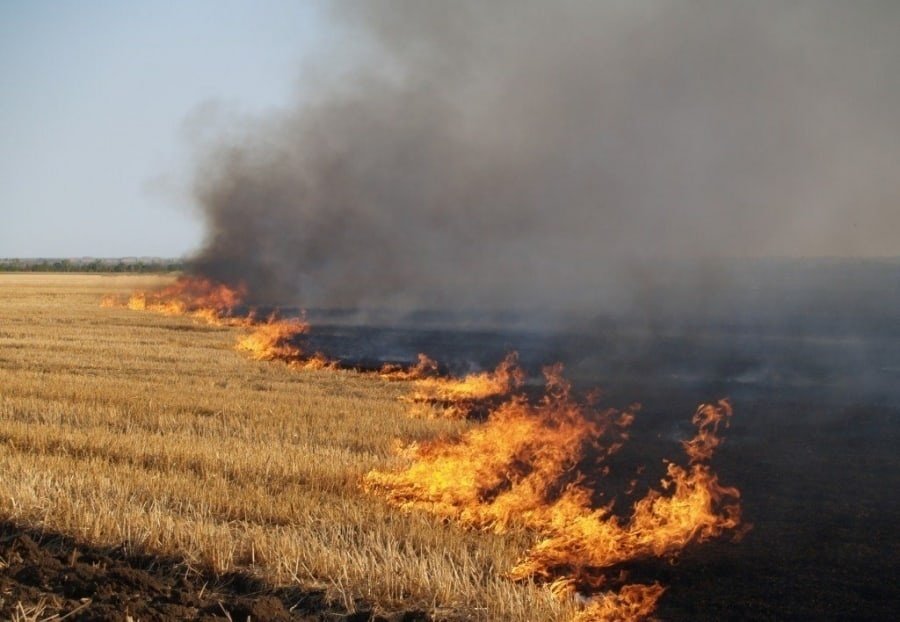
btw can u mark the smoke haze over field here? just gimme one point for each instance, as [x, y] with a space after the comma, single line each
[533, 153]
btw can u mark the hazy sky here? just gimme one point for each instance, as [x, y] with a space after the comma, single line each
[686, 128]
[94, 102]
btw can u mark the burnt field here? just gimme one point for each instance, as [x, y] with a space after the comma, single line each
[812, 446]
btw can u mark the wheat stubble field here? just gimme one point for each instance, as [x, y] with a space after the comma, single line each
[153, 436]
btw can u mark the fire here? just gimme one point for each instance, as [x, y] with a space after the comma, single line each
[504, 472]
[215, 303]
[201, 298]
[632, 603]
[275, 340]
[458, 398]
[535, 466]
[697, 508]
[314, 362]
[189, 295]
[425, 367]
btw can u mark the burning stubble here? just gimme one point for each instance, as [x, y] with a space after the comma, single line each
[535, 464]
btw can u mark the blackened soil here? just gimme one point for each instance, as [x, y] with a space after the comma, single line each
[819, 484]
[82, 582]
[814, 447]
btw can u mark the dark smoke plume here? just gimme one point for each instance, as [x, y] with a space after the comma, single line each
[563, 154]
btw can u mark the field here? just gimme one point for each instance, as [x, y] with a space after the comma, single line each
[136, 434]
[149, 468]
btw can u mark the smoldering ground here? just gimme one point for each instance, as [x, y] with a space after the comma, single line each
[560, 155]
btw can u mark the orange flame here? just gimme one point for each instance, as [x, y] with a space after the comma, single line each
[632, 603]
[198, 297]
[697, 508]
[522, 468]
[459, 398]
[424, 368]
[314, 362]
[275, 340]
[507, 471]
[214, 303]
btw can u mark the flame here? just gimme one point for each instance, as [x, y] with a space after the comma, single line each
[697, 508]
[631, 603]
[506, 377]
[189, 295]
[504, 472]
[275, 340]
[459, 398]
[204, 299]
[528, 467]
[425, 367]
[314, 362]
[215, 303]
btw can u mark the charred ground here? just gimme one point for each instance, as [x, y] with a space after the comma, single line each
[812, 446]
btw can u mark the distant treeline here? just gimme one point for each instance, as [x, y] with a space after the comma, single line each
[140, 265]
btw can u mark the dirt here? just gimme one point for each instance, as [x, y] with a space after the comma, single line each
[49, 574]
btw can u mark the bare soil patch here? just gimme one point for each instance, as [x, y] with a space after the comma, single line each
[48, 574]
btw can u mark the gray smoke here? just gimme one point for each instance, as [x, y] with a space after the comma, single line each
[559, 154]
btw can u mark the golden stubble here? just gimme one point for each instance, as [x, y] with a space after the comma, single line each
[152, 432]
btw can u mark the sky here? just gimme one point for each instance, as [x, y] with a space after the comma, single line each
[686, 128]
[97, 102]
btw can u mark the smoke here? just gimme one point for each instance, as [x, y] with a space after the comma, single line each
[537, 154]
